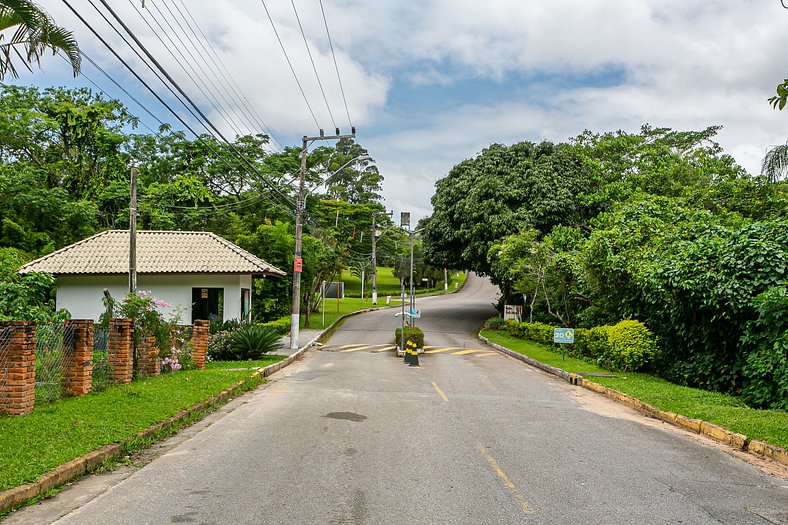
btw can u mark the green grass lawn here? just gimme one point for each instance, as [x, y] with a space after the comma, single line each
[70, 427]
[353, 304]
[388, 284]
[727, 411]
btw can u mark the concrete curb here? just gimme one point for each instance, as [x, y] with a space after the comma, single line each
[715, 432]
[82, 465]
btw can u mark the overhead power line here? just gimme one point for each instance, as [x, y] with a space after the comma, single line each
[205, 43]
[289, 63]
[314, 68]
[205, 119]
[336, 67]
[253, 170]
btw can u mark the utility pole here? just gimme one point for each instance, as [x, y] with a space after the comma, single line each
[133, 233]
[374, 256]
[298, 261]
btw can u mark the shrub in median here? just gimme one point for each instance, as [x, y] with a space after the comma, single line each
[414, 334]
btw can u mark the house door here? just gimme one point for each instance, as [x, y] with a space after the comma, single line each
[207, 303]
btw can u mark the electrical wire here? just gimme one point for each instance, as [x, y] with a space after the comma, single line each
[184, 63]
[312, 60]
[252, 114]
[205, 119]
[169, 108]
[336, 67]
[289, 63]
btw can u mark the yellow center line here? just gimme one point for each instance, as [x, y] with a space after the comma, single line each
[362, 347]
[439, 350]
[351, 346]
[440, 392]
[510, 486]
[466, 352]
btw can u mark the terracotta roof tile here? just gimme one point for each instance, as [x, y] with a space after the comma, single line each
[157, 252]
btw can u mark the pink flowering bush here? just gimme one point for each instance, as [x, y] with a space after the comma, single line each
[174, 344]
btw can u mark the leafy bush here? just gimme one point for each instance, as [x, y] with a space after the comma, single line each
[494, 323]
[630, 346]
[281, 326]
[251, 342]
[765, 369]
[413, 333]
[229, 324]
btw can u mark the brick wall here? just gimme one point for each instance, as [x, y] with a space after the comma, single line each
[18, 367]
[120, 349]
[200, 343]
[148, 360]
[77, 363]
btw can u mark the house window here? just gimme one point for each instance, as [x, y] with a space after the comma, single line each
[208, 303]
[246, 304]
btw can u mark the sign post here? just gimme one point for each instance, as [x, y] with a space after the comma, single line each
[563, 336]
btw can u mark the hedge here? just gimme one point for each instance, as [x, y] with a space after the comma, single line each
[629, 345]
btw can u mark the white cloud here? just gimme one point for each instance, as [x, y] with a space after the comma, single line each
[686, 64]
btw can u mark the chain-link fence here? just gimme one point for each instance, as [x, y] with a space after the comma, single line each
[103, 359]
[5, 362]
[51, 339]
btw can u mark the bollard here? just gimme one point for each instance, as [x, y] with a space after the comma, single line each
[411, 353]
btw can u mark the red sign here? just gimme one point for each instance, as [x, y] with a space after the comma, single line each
[298, 264]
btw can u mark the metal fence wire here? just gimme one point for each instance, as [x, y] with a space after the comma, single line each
[103, 359]
[5, 362]
[51, 342]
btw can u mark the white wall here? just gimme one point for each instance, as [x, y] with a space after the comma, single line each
[82, 295]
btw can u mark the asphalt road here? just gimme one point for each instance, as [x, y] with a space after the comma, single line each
[352, 435]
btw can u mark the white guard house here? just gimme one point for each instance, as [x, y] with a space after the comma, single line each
[202, 275]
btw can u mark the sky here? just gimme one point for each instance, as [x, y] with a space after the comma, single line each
[430, 83]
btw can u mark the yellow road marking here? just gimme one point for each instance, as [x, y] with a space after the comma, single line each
[440, 392]
[510, 486]
[439, 350]
[465, 352]
[350, 346]
[363, 347]
[488, 353]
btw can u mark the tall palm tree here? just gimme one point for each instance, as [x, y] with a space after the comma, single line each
[775, 163]
[32, 31]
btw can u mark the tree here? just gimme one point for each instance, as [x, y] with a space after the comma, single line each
[775, 164]
[34, 32]
[355, 181]
[778, 101]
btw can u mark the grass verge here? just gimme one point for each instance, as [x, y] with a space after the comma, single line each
[71, 427]
[727, 411]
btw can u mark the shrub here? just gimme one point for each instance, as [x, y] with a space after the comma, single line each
[251, 342]
[630, 346]
[281, 326]
[539, 332]
[595, 341]
[494, 323]
[412, 333]
[765, 342]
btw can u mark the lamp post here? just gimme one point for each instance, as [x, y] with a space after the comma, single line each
[295, 306]
[374, 256]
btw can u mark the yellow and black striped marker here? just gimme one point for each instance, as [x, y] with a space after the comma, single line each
[411, 353]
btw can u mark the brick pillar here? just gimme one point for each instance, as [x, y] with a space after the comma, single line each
[200, 343]
[120, 349]
[17, 367]
[148, 360]
[78, 357]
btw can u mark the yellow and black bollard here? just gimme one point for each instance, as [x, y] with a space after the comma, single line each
[411, 353]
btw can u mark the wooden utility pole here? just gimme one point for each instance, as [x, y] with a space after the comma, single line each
[133, 234]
